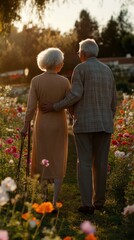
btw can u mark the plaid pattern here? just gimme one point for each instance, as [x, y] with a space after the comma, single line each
[93, 96]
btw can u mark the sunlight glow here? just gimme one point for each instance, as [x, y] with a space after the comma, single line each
[62, 17]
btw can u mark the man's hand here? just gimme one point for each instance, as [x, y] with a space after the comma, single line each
[47, 107]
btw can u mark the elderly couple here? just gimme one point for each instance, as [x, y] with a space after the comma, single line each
[92, 95]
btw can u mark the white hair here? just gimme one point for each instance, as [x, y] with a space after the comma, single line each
[49, 58]
[89, 47]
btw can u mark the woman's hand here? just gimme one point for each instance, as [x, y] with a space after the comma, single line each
[24, 130]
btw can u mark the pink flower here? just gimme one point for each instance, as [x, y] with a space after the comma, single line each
[87, 227]
[13, 149]
[4, 235]
[7, 150]
[9, 140]
[128, 210]
[126, 135]
[16, 155]
[45, 162]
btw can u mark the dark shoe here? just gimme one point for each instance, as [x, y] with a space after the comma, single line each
[99, 207]
[86, 210]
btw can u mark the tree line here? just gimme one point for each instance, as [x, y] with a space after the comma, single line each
[19, 49]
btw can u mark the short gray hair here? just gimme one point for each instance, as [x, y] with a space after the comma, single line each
[49, 58]
[89, 47]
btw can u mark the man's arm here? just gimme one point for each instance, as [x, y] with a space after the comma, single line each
[75, 93]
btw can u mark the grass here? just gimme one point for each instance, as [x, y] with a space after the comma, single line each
[108, 222]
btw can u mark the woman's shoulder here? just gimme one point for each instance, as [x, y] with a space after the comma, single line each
[63, 78]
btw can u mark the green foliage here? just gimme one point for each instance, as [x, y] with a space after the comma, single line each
[10, 11]
[110, 222]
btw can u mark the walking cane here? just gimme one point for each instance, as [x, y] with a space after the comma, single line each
[28, 155]
[20, 156]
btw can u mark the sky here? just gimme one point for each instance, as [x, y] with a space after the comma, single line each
[63, 16]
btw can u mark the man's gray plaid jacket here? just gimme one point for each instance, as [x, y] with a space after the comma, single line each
[93, 95]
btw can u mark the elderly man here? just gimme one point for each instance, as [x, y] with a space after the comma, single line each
[93, 96]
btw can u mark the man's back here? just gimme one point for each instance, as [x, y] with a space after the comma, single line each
[94, 112]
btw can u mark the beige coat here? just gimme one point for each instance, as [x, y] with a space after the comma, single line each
[50, 138]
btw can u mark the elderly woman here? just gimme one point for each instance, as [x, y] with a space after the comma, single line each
[50, 138]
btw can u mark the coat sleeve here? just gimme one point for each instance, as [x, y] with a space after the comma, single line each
[31, 103]
[74, 94]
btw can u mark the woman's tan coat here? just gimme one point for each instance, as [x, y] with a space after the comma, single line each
[50, 138]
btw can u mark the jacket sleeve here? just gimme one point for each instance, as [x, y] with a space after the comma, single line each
[31, 103]
[74, 94]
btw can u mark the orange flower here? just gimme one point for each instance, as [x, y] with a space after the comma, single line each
[90, 237]
[58, 205]
[26, 216]
[67, 238]
[45, 207]
[122, 111]
[35, 205]
[120, 121]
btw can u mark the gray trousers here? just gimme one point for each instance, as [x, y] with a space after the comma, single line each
[92, 152]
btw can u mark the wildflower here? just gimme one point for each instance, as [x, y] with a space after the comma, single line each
[128, 210]
[58, 205]
[9, 141]
[45, 162]
[33, 222]
[7, 150]
[114, 142]
[90, 237]
[26, 216]
[8, 184]
[45, 207]
[4, 235]
[119, 154]
[19, 109]
[35, 206]
[13, 149]
[67, 238]
[16, 155]
[126, 135]
[11, 161]
[3, 197]
[87, 227]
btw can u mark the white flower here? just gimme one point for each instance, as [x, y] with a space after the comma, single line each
[128, 210]
[32, 223]
[119, 154]
[130, 114]
[3, 197]
[11, 161]
[8, 184]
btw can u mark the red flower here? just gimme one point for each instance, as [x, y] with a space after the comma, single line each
[124, 143]
[114, 142]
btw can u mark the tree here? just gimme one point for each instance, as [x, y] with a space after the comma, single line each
[86, 26]
[110, 39]
[114, 34]
[10, 11]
